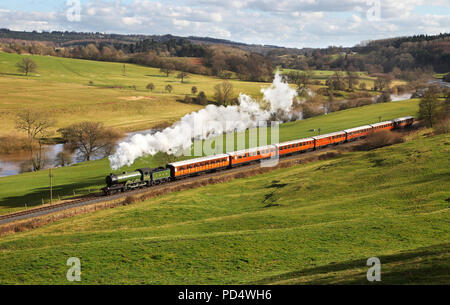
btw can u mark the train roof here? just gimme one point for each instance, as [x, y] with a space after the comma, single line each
[244, 151]
[404, 118]
[381, 123]
[323, 136]
[196, 160]
[294, 142]
[357, 128]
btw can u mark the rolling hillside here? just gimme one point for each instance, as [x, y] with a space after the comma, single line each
[313, 223]
[73, 90]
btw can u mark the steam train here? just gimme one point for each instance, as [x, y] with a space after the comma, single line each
[146, 177]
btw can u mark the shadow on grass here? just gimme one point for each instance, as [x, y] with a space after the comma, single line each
[16, 74]
[155, 75]
[35, 197]
[427, 265]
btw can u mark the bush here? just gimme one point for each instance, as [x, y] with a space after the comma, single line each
[201, 98]
[131, 199]
[384, 98]
[309, 110]
[187, 99]
[442, 126]
[13, 144]
[380, 139]
[364, 102]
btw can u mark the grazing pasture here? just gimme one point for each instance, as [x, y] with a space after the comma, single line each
[74, 90]
[312, 223]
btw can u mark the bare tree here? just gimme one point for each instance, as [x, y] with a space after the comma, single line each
[90, 138]
[182, 76]
[36, 124]
[224, 93]
[382, 82]
[167, 68]
[301, 79]
[26, 66]
[352, 78]
[63, 158]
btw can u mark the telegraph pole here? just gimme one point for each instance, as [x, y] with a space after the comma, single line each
[51, 182]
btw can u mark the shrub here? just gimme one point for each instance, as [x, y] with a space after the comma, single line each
[130, 199]
[364, 102]
[13, 144]
[187, 99]
[442, 126]
[380, 139]
[384, 98]
[310, 110]
[201, 98]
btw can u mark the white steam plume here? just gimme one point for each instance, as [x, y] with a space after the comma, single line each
[180, 136]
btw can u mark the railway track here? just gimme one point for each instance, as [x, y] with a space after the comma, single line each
[97, 197]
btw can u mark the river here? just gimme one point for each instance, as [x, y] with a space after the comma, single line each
[13, 164]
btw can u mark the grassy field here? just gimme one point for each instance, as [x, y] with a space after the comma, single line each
[62, 87]
[323, 75]
[32, 188]
[312, 223]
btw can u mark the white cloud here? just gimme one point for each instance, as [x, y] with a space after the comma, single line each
[294, 23]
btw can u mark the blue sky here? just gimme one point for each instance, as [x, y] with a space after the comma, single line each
[292, 23]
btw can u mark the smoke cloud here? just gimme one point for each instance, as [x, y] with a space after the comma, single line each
[278, 101]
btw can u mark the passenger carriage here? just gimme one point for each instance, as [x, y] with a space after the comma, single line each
[403, 122]
[386, 125]
[295, 146]
[329, 138]
[358, 132]
[198, 165]
[252, 154]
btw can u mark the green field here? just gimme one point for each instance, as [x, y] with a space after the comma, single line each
[363, 77]
[32, 188]
[61, 87]
[312, 223]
